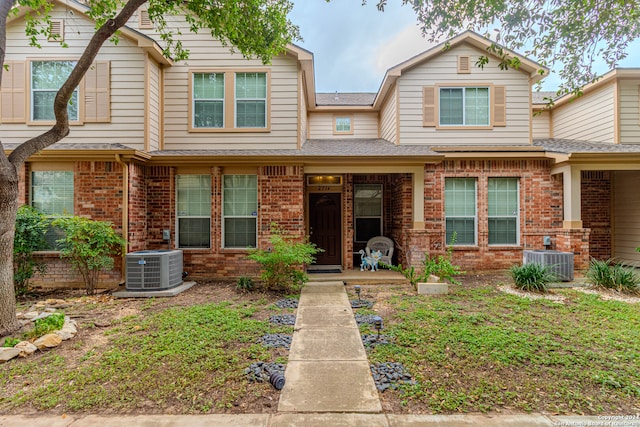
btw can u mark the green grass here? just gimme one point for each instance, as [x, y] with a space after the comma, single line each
[188, 357]
[480, 350]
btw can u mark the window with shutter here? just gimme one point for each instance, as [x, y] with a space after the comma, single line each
[12, 105]
[428, 106]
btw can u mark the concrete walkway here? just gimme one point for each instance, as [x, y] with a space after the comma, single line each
[328, 370]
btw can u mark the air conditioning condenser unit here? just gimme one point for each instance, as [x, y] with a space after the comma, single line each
[561, 263]
[153, 270]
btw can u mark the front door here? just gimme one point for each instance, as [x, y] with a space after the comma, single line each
[324, 226]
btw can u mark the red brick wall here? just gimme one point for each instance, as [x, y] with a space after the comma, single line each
[137, 233]
[596, 211]
[540, 208]
[401, 214]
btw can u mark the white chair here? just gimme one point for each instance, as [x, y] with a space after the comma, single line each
[382, 244]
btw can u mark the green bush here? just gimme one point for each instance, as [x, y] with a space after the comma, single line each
[90, 246]
[438, 265]
[31, 227]
[611, 275]
[46, 325]
[532, 277]
[245, 284]
[10, 342]
[282, 264]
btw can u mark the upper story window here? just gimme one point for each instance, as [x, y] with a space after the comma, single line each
[464, 106]
[46, 79]
[460, 106]
[342, 125]
[251, 100]
[208, 100]
[229, 101]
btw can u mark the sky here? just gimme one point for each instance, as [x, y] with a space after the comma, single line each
[353, 45]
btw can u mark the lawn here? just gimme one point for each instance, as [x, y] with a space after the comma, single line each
[482, 350]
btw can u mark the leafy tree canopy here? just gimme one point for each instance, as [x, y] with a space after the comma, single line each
[568, 36]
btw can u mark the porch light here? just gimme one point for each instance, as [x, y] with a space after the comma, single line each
[377, 323]
[357, 289]
[324, 180]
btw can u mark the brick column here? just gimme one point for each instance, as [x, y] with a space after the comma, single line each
[575, 240]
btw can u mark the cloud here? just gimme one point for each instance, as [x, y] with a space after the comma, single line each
[404, 45]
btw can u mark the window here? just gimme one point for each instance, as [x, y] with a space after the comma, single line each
[460, 210]
[46, 78]
[251, 100]
[208, 100]
[240, 211]
[503, 211]
[229, 101]
[342, 125]
[367, 211]
[464, 106]
[194, 211]
[52, 194]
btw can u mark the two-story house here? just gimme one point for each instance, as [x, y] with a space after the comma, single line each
[216, 148]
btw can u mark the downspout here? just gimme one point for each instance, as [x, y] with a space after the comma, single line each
[125, 211]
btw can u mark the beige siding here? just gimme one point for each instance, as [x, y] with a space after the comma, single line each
[389, 117]
[154, 111]
[629, 110]
[126, 80]
[207, 53]
[588, 118]
[364, 125]
[443, 69]
[540, 124]
[626, 232]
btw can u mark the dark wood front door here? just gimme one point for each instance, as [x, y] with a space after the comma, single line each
[324, 226]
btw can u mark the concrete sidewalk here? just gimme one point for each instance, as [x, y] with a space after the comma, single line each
[328, 370]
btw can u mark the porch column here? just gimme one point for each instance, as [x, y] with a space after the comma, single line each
[571, 183]
[418, 198]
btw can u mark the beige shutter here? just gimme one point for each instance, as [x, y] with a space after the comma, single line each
[499, 106]
[97, 94]
[428, 106]
[56, 30]
[464, 64]
[12, 93]
[144, 20]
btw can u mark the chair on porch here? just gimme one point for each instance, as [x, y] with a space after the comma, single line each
[382, 244]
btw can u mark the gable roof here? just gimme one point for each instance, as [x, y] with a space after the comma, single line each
[536, 71]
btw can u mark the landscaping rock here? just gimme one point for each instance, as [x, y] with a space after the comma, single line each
[30, 315]
[276, 341]
[287, 303]
[365, 319]
[261, 371]
[48, 341]
[8, 353]
[390, 376]
[373, 340]
[361, 303]
[26, 348]
[69, 329]
[283, 319]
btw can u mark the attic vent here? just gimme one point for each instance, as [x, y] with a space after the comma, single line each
[144, 20]
[56, 31]
[464, 64]
[596, 175]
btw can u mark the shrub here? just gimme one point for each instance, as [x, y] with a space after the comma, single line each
[45, 325]
[611, 275]
[532, 277]
[283, 262]
[10, 342]
[31, 227]
[245, 284]
[438, 265]
[90, 246]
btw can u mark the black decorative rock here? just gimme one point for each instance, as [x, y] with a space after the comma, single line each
[390, 376]
[365, 319]
[287, 303]
[283, 319]
[262, 372]
[374, 340]
[361, 303]
[276, 341]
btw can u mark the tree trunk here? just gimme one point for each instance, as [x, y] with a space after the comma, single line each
[8, 208]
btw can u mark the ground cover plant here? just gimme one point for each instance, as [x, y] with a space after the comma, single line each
[479, 349]
[168, 355]
[611, 275]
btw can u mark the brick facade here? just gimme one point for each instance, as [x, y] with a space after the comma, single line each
[596, 212]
